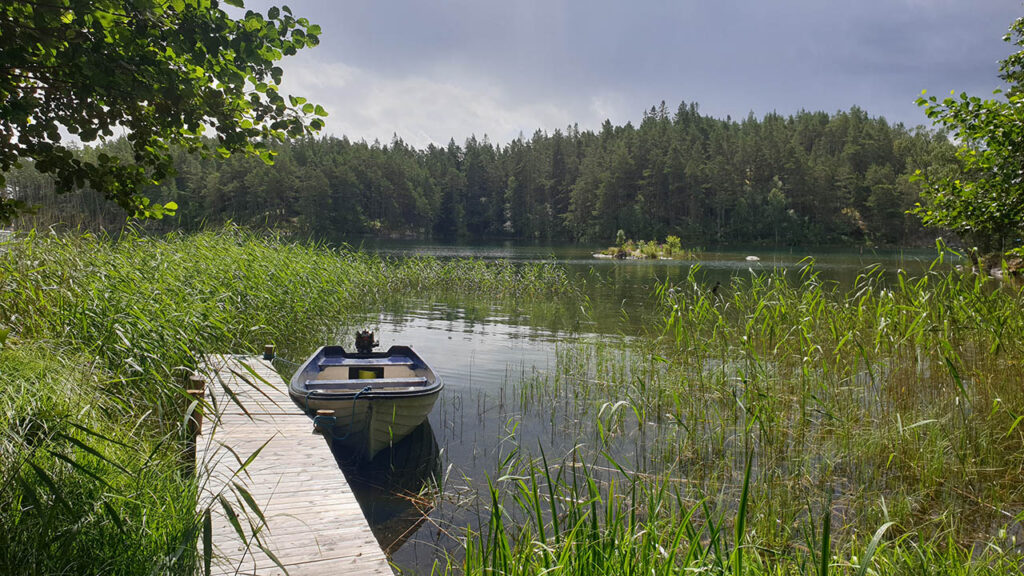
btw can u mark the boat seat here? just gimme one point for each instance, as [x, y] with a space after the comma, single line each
[357, 362]
[359, 383]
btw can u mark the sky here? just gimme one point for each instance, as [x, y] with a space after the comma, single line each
[430, 71]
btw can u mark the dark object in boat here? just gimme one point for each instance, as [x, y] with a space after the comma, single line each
[365, 343]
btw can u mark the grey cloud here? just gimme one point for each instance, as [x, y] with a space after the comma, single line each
[586, 58]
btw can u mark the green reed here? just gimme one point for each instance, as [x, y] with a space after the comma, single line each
[577, 518]
[97, 338]
[781, 424]
[828, 429]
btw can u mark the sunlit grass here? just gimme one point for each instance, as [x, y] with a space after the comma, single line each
[83, 490]
[775, 425]
[788, 420]
[568, 517]
[97, 338]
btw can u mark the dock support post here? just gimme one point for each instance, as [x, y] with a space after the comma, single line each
[194, 424]
[268, 352]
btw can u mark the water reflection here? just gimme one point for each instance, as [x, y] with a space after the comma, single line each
[619, 293]
[421, 494]
[838, 264]
[503, 393]
[397, 489]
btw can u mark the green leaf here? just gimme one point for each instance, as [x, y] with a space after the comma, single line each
[212, 74]
[826, 540]
[865, 562]
[103, 437]
[74, 464]
[741, 517]
[114, 516]
[93, 451]
[273, 557]
[232, 516]
[250, 501]
[47, 480]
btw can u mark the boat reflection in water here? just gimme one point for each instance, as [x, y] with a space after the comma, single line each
[397, 488]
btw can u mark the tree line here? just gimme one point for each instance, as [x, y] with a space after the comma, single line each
[812, 177]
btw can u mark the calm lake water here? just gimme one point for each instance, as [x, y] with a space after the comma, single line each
[486, 353]
[617, 286]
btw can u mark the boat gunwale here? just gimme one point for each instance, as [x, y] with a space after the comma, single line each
[383, 394]
[299, 392]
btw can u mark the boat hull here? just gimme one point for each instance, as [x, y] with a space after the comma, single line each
[369, 425]
[374, 399]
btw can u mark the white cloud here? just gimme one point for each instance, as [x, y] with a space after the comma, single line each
[434, 105]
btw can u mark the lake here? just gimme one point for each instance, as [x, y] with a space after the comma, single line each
[617, 286]
[491, 358]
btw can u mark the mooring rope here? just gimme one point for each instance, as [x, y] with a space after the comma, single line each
[329, 421]
[319, 420]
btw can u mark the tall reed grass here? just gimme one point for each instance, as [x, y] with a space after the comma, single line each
[97, 336]
[571, 518]
[780, 425]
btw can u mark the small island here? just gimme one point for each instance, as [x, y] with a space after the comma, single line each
[627, 249]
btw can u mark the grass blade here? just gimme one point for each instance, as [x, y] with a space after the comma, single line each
[741, 517]
[865, 562]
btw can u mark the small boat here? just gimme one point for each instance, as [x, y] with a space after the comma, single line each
[365, 400]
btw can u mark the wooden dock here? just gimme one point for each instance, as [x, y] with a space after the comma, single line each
[290, 506]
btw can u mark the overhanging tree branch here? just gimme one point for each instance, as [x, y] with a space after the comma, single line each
[163, 70]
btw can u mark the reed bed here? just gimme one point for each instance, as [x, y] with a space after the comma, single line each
[570, 518]
[501, 280]
[97, 336]
[779, 425]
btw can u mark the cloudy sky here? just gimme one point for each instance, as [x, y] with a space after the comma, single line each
[433, 70]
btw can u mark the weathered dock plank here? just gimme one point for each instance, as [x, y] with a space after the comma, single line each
[308, 521]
